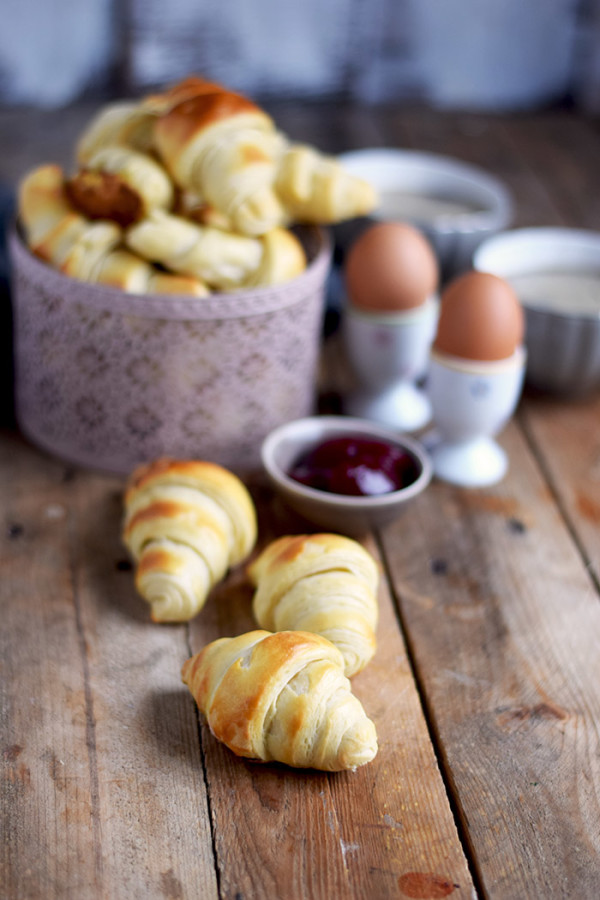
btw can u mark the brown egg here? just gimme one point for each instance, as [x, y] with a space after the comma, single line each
[390, 267]
[481, 318]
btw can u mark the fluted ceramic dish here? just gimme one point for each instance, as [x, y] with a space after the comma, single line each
[562, 332]
[336, 512]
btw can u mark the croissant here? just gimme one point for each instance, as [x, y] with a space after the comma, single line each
[324, 583]
[281, 697]
[283, 258]
[120, 184]
[186, 522]
[223, 147]
[192, 206]
[46, 214]
[127, 272]
[125, 124]
[222, 259]
[166, 283]
[315, 188]
[55, 231]
[130, 123]
[86, 250]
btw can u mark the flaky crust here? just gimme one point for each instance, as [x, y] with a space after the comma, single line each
[281, 697]
[184, 122]
[283, 258]
[120, 184]
[88, 250]
[325, 583]
[186, 522]
[123, 124]
[221, 259]
[315, 188]
[204, 187]
[224, 260]
[223, 147]
[186, 89]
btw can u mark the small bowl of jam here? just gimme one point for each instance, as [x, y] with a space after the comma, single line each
[345, 474]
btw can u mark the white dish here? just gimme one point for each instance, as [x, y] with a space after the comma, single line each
[350, 515]
[556, 275]
[456, 205]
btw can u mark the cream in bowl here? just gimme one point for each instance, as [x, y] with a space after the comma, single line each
[344, 474]
[555, 272]
[457, 205]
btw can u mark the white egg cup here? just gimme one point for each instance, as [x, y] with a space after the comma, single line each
[389, 354]
[471, 401]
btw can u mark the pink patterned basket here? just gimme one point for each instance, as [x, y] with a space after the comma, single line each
[108, 380]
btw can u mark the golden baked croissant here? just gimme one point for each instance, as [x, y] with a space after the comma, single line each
[126, 271]
[281, 697]
[55, 231]
[130, 123]
[46, 212]
[317, 189]
[186, 523]
[86, 250]
[125, 123]
[223, 147]
[282, 258]
[221, 259]
[325, 583]
[120, 184]
[191, 206]
[224, 260]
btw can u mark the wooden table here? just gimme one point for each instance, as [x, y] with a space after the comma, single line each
[484, 688]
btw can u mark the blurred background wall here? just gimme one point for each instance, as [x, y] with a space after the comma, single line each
[477, 54]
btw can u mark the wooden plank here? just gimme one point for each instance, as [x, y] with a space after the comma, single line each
[48, 793]
[382, 830]
[502, 617]
[564, 435]
[107, 795]
[504, 628]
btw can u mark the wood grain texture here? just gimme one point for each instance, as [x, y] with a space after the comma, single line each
[504, 627]
[506, 670]
[566, 442]
[350, 834]
[484, 687]
[102, 773]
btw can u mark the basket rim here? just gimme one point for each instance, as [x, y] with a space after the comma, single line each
[230, 305]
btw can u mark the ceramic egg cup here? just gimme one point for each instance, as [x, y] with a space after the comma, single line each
[471, 403]
[389, 354]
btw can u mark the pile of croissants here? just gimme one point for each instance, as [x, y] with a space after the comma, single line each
[282, 692]
[190, 191]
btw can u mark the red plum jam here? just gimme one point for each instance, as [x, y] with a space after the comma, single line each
[356, 466]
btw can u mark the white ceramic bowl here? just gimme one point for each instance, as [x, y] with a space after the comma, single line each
[455, 204]
[556, 274]
[336, 512]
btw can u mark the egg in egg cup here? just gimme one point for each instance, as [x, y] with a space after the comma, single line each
[475, 378]
[390, 319]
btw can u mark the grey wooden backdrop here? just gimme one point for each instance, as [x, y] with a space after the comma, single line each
[486, 54]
